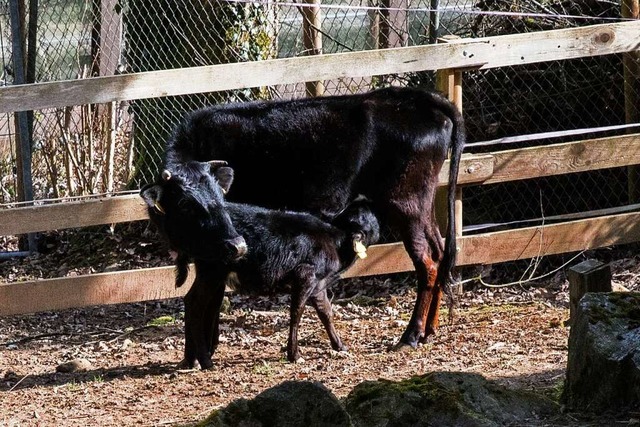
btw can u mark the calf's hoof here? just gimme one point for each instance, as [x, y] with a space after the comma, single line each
[341, 347]
[206, 365]
[294, 357]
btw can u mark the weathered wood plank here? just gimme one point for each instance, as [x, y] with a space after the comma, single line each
[488, 248]
[85, 213]
[557, 159]
[510, 245]
[117, 209]
[94, 289]
[499, 166]
[483, 53]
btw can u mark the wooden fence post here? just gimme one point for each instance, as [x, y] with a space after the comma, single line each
[588, 276]
[449, 82]
[312, 40]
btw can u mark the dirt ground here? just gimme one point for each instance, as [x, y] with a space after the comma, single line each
[514, 335]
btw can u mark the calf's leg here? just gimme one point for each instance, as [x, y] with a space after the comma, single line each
[320, 302]
[303, 284]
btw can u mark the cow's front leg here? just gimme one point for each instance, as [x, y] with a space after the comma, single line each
[202, 309]
[214, 317]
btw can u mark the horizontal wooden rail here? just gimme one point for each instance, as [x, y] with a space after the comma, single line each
[495, 167]
[94, 289]
[481, 53]
[487, 248]
[84, 213]
[557, 159]
[112, 210]
[511, 245]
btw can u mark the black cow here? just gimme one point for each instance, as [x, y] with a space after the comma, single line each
[288, 252]
[316, 154]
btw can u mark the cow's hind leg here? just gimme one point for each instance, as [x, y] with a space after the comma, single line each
[322, 305]
[423, 243]
[433, 236]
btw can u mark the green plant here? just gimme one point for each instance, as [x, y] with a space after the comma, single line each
[162, 321]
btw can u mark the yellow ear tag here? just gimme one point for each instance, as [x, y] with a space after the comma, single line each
[159, 208]
[360, 249]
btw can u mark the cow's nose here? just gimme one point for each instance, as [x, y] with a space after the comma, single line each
[237, 247]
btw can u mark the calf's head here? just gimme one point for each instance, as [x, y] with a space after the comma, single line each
[360, 223]
[187, 205]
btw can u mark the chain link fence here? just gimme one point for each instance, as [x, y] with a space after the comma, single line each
[92, 149]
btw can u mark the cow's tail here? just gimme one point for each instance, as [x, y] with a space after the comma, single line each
[445, 270]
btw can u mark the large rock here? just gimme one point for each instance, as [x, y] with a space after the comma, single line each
[292, 403]
[444, 399]
[603, 371]
[436, 399]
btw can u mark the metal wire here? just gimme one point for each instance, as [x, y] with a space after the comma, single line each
[85, 38]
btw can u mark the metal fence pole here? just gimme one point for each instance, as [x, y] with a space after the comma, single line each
[434, 21]
[23, 129]
[631, 70]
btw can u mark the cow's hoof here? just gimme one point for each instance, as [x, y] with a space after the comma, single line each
[428, 336]
[206, 364]
[185, 364]
[403, 347]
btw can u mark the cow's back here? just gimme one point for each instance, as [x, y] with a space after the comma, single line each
[315, 154]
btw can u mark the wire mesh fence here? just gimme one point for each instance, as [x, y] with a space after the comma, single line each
[90, 149]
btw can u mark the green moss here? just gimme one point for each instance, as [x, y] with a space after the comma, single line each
[236, 413]
[422, 386]
[621, 305]
[162, 321]
[212, 420]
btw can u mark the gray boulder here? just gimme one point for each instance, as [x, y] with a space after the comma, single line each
[292, 403]
[603, 370]
[444, 399]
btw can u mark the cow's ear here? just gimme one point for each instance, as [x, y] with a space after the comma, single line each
[224, 175]
[151, 195]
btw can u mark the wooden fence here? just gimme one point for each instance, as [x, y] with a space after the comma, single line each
[486, 169]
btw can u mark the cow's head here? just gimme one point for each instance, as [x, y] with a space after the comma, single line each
[187, 205]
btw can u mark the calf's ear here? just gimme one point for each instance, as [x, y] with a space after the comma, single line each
[151, 195]
[224, 176]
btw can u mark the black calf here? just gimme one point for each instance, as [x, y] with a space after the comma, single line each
[288, 252]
